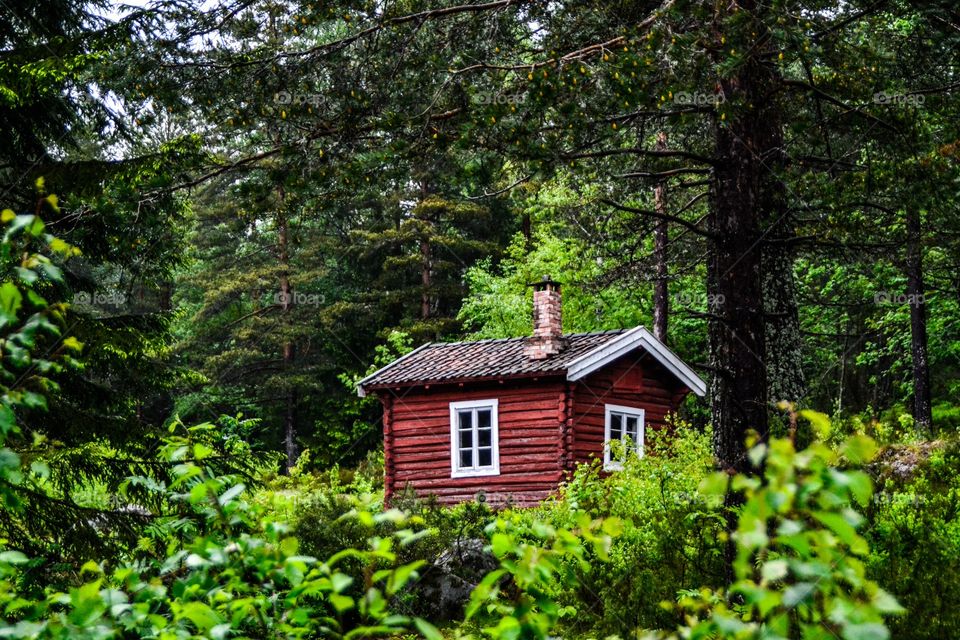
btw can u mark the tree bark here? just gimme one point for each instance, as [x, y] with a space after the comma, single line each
[289, 350]
[425, 277]
[426, 252]
[785, 377]
[661, 295]
[784, 358]
[922, 409]
[734, 265]
[736, 326]
[526, 227]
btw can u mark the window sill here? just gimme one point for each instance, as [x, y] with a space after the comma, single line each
[475, 473]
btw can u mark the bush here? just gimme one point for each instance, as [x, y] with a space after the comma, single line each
[799, 559]
[914, 534]
[669, 541]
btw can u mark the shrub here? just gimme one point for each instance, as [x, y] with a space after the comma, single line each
[800, 562]
[914, 534]
[669, 539]
[243, 576]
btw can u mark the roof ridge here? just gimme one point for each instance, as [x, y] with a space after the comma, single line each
[491, 340]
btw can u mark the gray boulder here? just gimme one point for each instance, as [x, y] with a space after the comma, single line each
[445, 586]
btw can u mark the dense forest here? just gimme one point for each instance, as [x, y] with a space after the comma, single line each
[219, 217]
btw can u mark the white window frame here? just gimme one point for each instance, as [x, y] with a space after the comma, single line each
[474, 472]
[615, 465]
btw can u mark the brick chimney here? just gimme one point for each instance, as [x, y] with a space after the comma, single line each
[547, 339]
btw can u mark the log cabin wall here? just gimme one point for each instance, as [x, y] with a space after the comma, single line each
[635, 380]
[533, 437]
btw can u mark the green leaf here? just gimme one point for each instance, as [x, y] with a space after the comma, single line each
[861, 486]
[401, 575]
[13, 557]
[843, 530]
[340, 602]
[774, 570]
[866, 631]
[859, 449]
[427, 630]
[797, 593]
[27, 275]
[8, 421]
[819, 421]
[612, 526]
[200, 615]
[340, 582]
[715, 484]
[886, 603]
[289, 546]
[501, 544]
[10, 302]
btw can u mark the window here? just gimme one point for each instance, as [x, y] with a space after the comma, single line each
[474, 440]
[623, 425]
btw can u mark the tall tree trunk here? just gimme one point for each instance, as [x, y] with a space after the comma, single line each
[744, 137]
[426, 252]
[289, 349]
[785, 378]
[661, 294]
[784, 358]
[922, 411]
[748, 202]
[526, 227]
[425, 275]
[734, 279]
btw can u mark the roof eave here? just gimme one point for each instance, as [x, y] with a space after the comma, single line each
[360, 384]
[623, 344]
[527, 375]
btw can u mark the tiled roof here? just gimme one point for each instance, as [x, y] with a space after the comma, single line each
[449, 361]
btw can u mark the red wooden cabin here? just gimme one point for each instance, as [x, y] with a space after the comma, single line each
[508, 419]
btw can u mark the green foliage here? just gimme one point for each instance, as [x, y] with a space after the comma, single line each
[63, 501]
[800, 561]
[32, 343]
[670, 538]
[914, 533]
[525, 609]
[244, 575]
[415, 146]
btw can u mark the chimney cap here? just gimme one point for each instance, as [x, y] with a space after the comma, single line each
[545, 283]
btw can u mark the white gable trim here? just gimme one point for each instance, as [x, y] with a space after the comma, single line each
[363, 392]
[627, 342]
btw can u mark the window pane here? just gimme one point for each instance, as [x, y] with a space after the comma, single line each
[485, 457]
[466, 419]
[616, 426]
[466, 439]
[632, 428]
[483, 418]
[466, 459]
[484, 437]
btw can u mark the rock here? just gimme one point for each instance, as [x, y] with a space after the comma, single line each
[901, 462]
[445, 586]
[468, 559]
